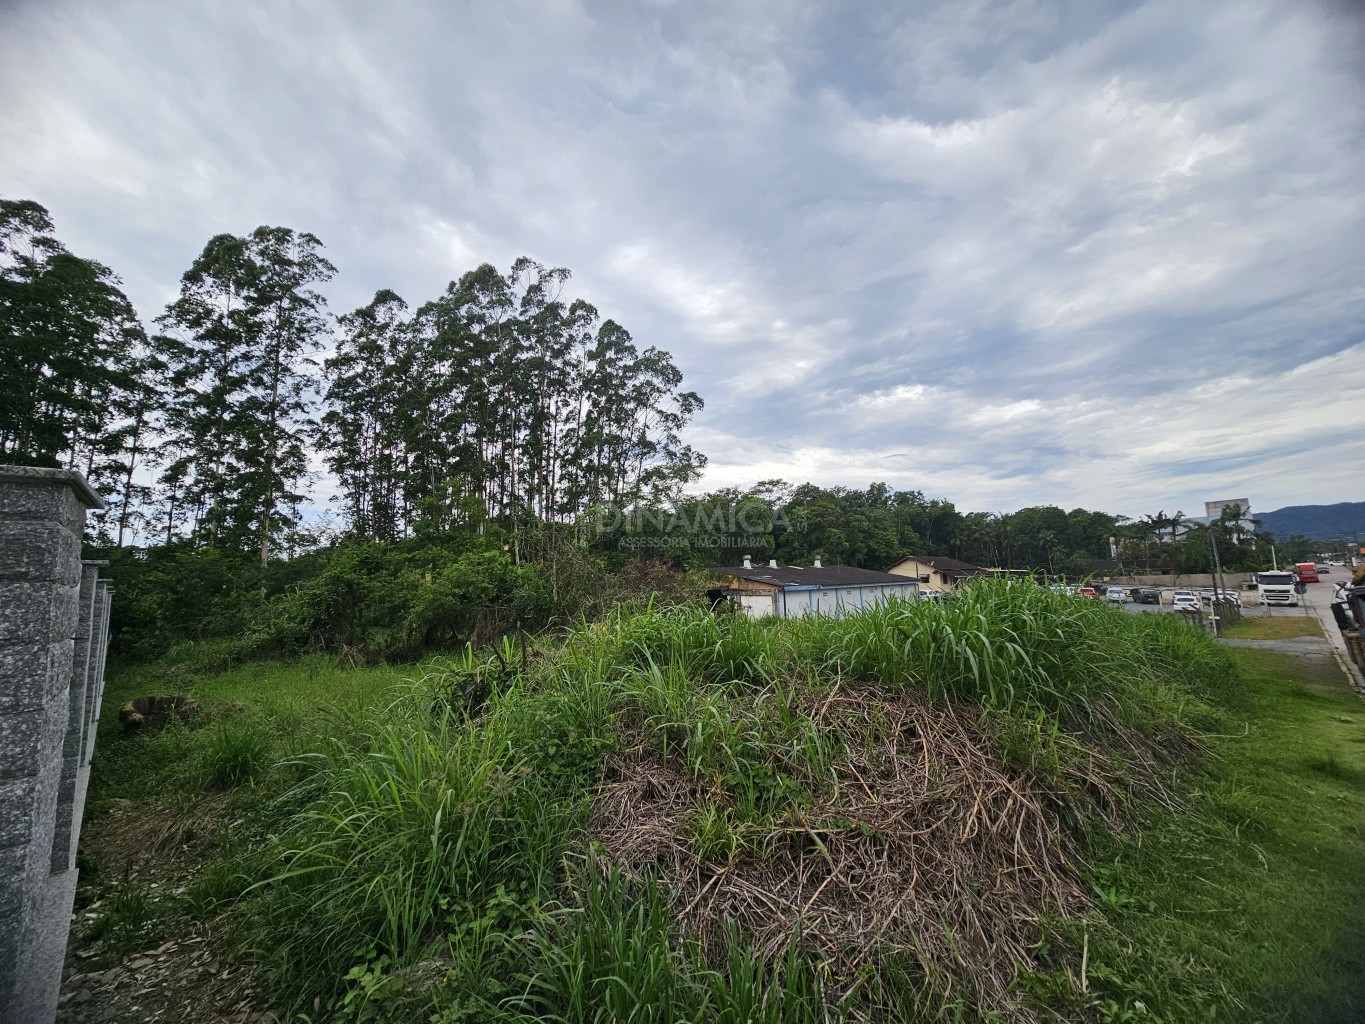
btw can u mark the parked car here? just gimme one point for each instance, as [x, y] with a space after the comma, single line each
[1147, 595]
[1089, 592]
[1186, 601]
[1116, 595]
[1230, 596]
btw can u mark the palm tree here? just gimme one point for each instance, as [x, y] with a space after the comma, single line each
[1047, 540]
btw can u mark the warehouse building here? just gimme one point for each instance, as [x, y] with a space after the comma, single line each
[791, 591]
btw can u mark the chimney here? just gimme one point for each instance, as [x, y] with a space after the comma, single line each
[748, 561]
[817, 563]
[772, 563]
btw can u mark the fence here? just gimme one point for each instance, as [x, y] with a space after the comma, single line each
[54, 628]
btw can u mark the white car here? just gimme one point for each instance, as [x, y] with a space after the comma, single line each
[1185, 601]
[1229, 595]
[1116, 595]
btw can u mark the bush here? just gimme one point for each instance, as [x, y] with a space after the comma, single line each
[206, 610]
[413, 832]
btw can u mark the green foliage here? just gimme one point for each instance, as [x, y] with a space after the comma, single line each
[236, 412]
[463, 797]
[236, 752]
[77, 381]
[205, 609]
[500, 402]
[615, 955]
[419, 826]
[424, 856]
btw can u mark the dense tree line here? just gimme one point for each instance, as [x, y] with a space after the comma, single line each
[501, 401]
[78, 381]
[869, 528]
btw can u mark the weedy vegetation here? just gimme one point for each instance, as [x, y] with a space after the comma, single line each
[1012, 805]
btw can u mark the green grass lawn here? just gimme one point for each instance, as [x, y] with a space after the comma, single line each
[1281, 627]
[1245, 904]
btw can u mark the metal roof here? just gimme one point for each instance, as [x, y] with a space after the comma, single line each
[944, 564]
[788, 576]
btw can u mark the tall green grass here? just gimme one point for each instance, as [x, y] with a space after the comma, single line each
[424, 860]
[402, 832]
[615, 955]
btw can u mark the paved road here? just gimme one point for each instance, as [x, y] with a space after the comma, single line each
[1249, 608]
[1319, 603]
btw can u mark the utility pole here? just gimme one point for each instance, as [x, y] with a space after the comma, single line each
[1219, 591]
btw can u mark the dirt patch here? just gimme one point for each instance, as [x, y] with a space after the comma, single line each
[148, 714]
[139, 860]
[179, 980]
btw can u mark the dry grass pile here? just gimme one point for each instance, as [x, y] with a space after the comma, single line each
[921, 845]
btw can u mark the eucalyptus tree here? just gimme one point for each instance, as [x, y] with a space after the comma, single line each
[502, 399]
[238, 347]
[364, 426]
[77, 380]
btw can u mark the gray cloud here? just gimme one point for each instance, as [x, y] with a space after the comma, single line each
[1004, 252]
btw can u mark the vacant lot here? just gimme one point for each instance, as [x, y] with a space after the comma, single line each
[1000, 809]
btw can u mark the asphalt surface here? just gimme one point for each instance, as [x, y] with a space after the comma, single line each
[1316, 603]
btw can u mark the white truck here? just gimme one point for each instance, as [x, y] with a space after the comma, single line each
[1277, 588]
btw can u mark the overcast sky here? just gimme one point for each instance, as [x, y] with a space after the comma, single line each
[1007, 253]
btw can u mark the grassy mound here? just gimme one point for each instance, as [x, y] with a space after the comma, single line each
[676, 815]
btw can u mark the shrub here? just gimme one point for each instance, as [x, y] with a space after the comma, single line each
[417, 830]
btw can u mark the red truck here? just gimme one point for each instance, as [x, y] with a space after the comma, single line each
[1306, 571]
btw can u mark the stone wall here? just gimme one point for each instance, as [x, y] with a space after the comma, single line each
[1191, 581]
[54, 626]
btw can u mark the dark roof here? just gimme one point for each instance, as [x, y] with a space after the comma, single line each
[808, 576]
[944, 564]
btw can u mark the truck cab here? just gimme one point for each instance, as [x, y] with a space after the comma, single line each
[1308, 572]
[1276, 588]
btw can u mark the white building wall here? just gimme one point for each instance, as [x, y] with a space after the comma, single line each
[756, 606]
[833, 602]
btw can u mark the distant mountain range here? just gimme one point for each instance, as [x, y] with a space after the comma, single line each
[1342, 521]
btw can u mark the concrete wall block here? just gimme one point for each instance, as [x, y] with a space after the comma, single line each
[11, 897]
[45, 504]
[17, 799]
[61, 495]
[53, 619]
[31, 741]
[78, 812]
[40, 986]
[21, 744]
[65, 827]
[82, 676]
[48, 680]
[39, 551]
[32, 674]
[37, 613]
